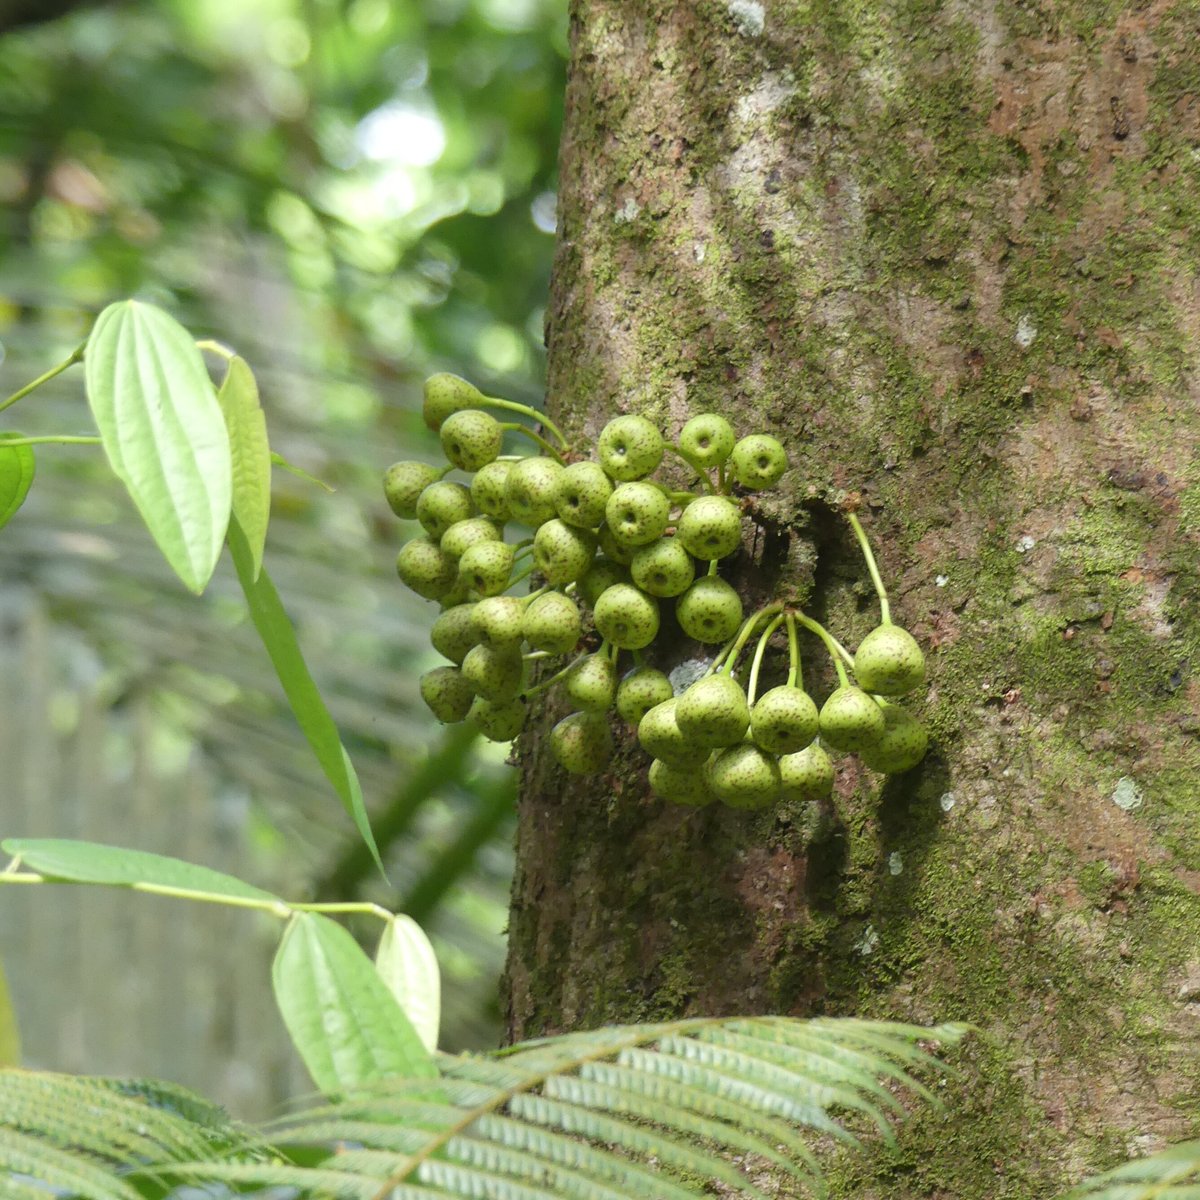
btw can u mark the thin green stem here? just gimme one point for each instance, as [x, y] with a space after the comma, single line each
[708, 485]
[549, 683]
[532, 595]
[759, 653]
[55, 439]
[885, 612]
[830, 645]
[795, 673]
[215, 347]
[712, 565]
[21, 393]
[531, 413]
[525, 574]
[739, 643]
[722, 487]
[517, 427]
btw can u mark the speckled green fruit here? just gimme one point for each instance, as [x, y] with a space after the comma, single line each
[743, 776]
[637, 513]
[806, 775]
[446, 394]
[851, 720]
[759, 461]
[706, 440]
[626, 617]
[664, 568]
[582, 743]
[710, 527]
[563, 553]
[902, 745]
[591, 684]
[454, 632]
[488, 490]
[710, 610]
[495, 673]
[601, 575]
[403, 482]
[464, 534]
[447, 694]
[713, 712]
[784, 720]
[498, 721]
[471, 439]
[441, 504]
[486, 567]
[552, 623]
[530, 489]
[458, 594]
[499, 622]
[680, 785]
[613, 549]
[583, 491]
[658, 733]
[639, 691]
[422, 566]
[889, 662]
[629, 448]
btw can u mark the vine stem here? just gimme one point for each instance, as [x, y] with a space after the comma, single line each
[728, 659]
[759, 653]
[795, 672]
[531, 413]
[830, 644]
[54, 439]
[548, 683]
[885, 612]
[215, 347]
[517, 427]
[21, 393]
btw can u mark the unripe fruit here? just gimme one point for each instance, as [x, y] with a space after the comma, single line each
[807, 775]
[494, 673]
[713, 712]
[487, 491]
[640, 690]
[664, 568]
[889, 662]
[591, 683]
[851, 720]
[902, 745]
[486, 567]
[403, 482]
[784, 720]
[706, 441]
[626, 617]
[659, 735]
[498, 721]
[611, 548]
[552, 623]
[446, 394]
[458, 594]
[454, 633]
[630, 448]
[464, 534]
[710, 610]
[471, 439]
[582, 743]
[499, 622]
[637, 513]
[563, 554]
[680, 785]
[423, 566]
[447, 694]
[759, 461]
[530, 489]
[601, 575]
[441, 504]
[710, 527]
[744, 776]
[583, 491]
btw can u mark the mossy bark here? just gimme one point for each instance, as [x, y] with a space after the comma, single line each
[948, 253]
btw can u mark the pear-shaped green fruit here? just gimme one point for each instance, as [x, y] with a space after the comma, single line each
[498, 720]
[423, 567]
[806, 775]
[902, 745]
[713, 711]
[851, 720]
[709, 611]
[403, 482]
[743, 776]
[500, 622]
[471, 439]
[889, 662]
[637, 513]
[563, 553]
[582, 743]
[600, 576]
[583, 491]
[447, 694]
[706, 441]
[454, 632]
[486, 567]
[552, 623]
[626, 617]
[710, 527]
[530, 489]
[494, 672]
[446, 394]
[487, 490]
[664, 568]
[629, 448]
[464, 534]
[680, 785]
[784, 720]
[660, 736]
[640, 690]
[592, 683]
[441, 504]
[759, 461]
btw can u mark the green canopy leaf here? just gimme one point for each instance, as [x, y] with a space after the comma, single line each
[163, 432]
[16, 476]
[407, 964]
[251, 454]
[344, 1021]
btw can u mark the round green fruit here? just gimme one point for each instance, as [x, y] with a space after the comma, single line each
[592, 683]
[583, 491]
[486, 567]
[630, 448]
[495, 673]
[552, 623]
[425, 568]
[639, 691]
[499, 622]
[626, 617]
[471, 439]
[488, 490]
[601, 575]
[637, 513]
[613, 549]
[446, 394]
[454, 632]
[658, 733]
[851, 720]
[709, 611]
[582, 743]
[447, 694]
[710, 527]
[784, 720]
[743, 776]
[563, 553]
[664, 568]
[759, 461]
[464, 534]
[403, 482]
[806, 775]
[441, 505]
[706, 441]
[530, 490]
[889, 662]
[498, 721]
[680, 785]
[902, 745]
[713, 712]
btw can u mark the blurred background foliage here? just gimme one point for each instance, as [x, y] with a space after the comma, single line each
[351, 193]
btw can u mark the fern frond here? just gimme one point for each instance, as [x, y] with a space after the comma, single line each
[1171, 1174]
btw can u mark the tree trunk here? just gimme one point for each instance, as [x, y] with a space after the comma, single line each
[948, 253]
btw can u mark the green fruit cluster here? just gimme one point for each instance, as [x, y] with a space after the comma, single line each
[609, 544]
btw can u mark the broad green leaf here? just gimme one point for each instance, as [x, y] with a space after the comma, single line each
[277, 634]
[16, 476]
[163, 432]
[10, 1037]
[90, 862]
[251, 455]
[343, 1020]
[407, 964]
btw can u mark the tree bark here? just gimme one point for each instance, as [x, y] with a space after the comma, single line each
[948, 253]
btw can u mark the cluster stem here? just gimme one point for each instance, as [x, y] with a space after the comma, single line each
[885, 612]
[75, 357]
